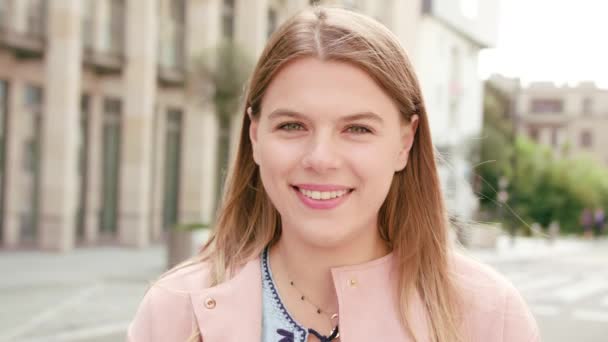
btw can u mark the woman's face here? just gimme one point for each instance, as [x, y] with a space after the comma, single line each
[328, 142]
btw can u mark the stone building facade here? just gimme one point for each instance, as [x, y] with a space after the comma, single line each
[103, 137]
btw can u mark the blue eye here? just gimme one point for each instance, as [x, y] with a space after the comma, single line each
[290, 126]
[359, 129]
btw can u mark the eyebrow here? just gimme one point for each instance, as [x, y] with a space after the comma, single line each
[347, 118]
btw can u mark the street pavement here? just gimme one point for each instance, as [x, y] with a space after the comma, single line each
[565, 284]
[91, 294]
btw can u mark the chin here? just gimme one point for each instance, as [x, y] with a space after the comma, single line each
[325, 238]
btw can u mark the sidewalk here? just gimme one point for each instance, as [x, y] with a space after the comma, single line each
[90, 294]
[528, 248]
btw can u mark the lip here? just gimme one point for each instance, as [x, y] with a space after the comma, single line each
[322, 187]
[322, 204]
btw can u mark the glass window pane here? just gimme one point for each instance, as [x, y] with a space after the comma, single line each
[83, 146]
[28, 178]
[110, 165]
[172, 168]
[3, 114]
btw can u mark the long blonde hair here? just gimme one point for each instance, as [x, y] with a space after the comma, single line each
[412, 219]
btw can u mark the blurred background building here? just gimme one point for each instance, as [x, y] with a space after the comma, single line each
[105, 139]
[571, 120]
[567, 119]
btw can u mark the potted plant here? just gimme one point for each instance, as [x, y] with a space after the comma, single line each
[185, 240]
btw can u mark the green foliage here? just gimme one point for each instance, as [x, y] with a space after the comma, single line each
[496, 151]
[547, 189]
[541, 187]
[224, 70]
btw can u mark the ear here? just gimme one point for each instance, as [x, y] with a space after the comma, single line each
[408, 132]
[253, 135]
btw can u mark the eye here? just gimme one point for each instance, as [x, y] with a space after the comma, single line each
[291, 126]
[359, 129]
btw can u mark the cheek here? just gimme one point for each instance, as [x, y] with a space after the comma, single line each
[277, 160]
[375, 168]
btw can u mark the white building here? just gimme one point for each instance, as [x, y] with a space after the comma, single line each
[449, 37]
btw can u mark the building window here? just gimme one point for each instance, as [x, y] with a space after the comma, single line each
[83, 148]
[87, 24]
[3, 115]
[534, 134]
[117, 27]
[587, 106]
[546, 106]
[455, 86]
[110, 160]
[36, 17]
[29, 178]
[173, 44]
[172, 168]
[272, 21]
[3, 13]
[228, 13]
[586, 139]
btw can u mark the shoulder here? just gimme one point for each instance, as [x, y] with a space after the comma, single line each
[165, 313]
[493, 308]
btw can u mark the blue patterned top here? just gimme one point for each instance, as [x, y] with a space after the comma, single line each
[277, 323]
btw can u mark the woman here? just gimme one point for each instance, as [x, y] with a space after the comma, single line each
[333, 225]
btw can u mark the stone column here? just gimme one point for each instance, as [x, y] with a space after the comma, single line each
[18, 15]
[140, 84]
[60, 126]
[94, 190]
[101, 20]
[199, 128]
[251, 25]
[12, 165]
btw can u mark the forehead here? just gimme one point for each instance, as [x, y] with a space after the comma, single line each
[328, 89]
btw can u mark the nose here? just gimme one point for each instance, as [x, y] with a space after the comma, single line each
[322, 154]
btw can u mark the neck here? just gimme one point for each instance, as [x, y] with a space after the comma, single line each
[309, 266]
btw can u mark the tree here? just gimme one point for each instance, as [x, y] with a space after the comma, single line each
[223, 71]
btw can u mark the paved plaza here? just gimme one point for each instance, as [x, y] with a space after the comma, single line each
[86, 295]
[91, 294]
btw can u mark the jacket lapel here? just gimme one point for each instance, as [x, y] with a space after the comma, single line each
[232, 311]
[369, 304]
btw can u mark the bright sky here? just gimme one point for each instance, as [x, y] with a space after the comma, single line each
[551, 40]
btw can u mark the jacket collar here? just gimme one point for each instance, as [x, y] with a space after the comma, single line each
[364, 292]
[237, 311]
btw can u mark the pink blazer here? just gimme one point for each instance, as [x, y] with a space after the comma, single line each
[231, 312]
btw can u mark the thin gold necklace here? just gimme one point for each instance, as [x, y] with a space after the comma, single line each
[318, 308]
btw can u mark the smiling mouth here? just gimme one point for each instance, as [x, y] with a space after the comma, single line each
[323, 195]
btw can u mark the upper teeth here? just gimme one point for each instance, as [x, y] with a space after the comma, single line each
[323, 194]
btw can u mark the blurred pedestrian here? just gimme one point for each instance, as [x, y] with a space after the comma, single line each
[553, 231]
[587, 223]
[599, 220]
